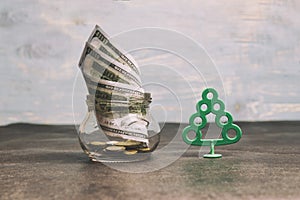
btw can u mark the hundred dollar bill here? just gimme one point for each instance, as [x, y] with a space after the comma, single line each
[108, 90]
[100, 40]
[120, 107]
[131, 127]
[105, 74]
[98, 65]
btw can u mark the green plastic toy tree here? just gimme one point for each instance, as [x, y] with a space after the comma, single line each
[211, 104]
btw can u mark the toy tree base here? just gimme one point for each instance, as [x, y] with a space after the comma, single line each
[212, 156]
[212, 153]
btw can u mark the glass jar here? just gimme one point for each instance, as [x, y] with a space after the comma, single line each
[101, 147]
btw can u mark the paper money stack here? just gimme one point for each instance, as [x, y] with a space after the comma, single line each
[114, 85]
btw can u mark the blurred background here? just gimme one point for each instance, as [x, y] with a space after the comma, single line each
[254, 47]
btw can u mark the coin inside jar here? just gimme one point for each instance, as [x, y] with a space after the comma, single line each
[128, 143]
[115, 148]
[96, 143]
[111, 142]
[130, 152]
[147, 149]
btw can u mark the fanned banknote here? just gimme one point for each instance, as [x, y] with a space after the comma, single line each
[113, 80]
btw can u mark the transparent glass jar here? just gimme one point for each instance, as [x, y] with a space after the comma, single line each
[101, 147]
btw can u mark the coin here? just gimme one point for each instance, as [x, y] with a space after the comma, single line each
[144, 149]
[128, 143]
[112, 142]
[130, 152]
[96, 143]
[115, 148]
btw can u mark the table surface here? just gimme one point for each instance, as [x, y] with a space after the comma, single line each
[46, 162]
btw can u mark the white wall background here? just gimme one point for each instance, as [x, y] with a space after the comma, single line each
[254, 44]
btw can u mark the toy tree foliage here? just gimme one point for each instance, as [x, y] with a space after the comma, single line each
[211, 104]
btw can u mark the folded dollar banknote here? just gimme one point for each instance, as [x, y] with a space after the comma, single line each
[120, 104]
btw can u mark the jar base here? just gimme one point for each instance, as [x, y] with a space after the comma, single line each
[119, 158]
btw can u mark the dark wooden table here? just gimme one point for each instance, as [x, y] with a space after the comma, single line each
[46, 162]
